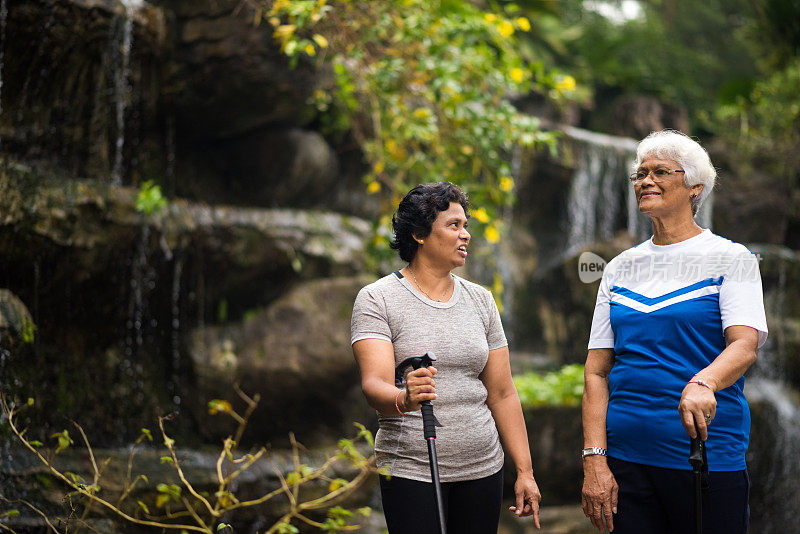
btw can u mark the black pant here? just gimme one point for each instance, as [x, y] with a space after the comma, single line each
[471, 506]
[655, 500]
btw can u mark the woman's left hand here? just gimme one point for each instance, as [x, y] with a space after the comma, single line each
[698, 408]
[528, 497]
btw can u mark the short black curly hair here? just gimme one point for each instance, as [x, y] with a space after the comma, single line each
[417, 211]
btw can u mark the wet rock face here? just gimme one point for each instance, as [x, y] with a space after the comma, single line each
[63, 84]
[114, 294]
[191, 94]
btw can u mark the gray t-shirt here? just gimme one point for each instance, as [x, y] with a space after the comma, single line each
[460, 332]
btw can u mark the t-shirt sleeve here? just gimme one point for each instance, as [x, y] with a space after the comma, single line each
[741, 299]
[369, 320]
[495, 335]
[602, 336]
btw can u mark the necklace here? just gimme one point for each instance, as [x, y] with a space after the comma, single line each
[446, 289]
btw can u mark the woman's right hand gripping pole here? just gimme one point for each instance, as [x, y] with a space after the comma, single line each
[420, 386]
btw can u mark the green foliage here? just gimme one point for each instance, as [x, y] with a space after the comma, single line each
[557, 388]
[150, 200]
[766, 118]
[64, 441]
[424, 89]
[28, 331]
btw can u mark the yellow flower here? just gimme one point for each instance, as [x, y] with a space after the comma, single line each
[481, 215]
[378, 167]
[565, 83]
[524, 24]
[489, 17]
[492, 235]
[373, 187]
[279, 5]
[310, 50]
[218, 405]
[497, 291]
[467, 150]
[422, 113]
[284, 32]
[320, 40]
[517, 74]
[506, 184]
[505, 28]
[497, 286]
[396, 151]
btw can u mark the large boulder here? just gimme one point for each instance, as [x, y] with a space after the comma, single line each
[16, 323]
[296, 355]
[229, 74]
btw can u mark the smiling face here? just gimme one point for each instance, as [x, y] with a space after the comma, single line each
[447, 243]
[666, 196]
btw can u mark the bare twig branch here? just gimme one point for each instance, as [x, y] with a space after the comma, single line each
[77, 488]
[168, 442]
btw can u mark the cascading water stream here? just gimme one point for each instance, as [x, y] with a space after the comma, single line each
[3, 22]
[175, 326]
[774, 454]
[122, 87]
[599, 203]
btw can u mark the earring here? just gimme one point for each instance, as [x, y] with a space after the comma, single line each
[694, 197]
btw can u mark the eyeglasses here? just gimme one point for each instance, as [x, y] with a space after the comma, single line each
[659, 175]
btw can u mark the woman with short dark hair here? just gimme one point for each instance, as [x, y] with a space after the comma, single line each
[425, 308]
[677, 322]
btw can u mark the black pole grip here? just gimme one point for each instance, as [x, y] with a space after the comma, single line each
[428, 420]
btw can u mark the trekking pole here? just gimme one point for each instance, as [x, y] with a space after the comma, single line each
[429, 424]
[697, 457]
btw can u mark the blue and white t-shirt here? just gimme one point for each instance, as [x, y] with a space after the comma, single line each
[664, 310]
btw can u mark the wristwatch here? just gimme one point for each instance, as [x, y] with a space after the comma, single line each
[591, 451]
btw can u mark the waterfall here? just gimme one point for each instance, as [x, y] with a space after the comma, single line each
[122, 87]
[599, 203]
[169, 170]
[774, 454]
[175, 326]
[3, 21]
[776, 469]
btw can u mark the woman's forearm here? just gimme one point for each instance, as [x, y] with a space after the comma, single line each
[381, 396]
[594, 410]
[732, 362]
[507, 414]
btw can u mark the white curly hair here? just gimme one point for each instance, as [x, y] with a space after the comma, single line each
[679, 147]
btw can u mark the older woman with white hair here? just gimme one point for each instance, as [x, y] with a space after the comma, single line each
[677, 322]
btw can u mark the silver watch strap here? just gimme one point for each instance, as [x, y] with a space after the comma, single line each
[591, 451]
